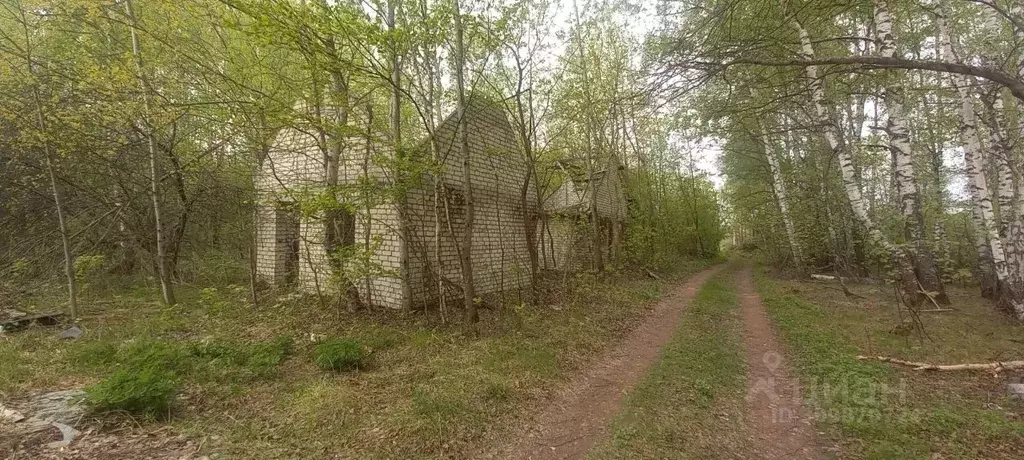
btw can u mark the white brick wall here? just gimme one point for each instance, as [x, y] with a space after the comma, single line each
[565, 233]
[500, 259]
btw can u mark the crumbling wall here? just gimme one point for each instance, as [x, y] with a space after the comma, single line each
[293, 171]
[500, 258]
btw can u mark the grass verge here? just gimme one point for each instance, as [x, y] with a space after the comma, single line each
[691, 402]
[876, 411]
[424, 390]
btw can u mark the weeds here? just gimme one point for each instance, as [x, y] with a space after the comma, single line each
[144, 391]
[149, 373]
[875, 411]
[683, 407]
[340, 355]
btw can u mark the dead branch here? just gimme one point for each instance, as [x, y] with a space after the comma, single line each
[996, 367]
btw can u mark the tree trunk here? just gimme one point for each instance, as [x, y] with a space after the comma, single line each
[466, 258]
[396, 140]
[779, 185]
[977, 182]
[338, 220]
[530, 210]
[55, 189]
[904, 266]
[166, 285]
[925, 266]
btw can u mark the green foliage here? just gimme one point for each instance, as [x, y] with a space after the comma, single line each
[85, 265]
[340, 355]
[146, 390]
[149, 372]
[687, 209]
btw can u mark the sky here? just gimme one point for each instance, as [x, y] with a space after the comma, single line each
[706, 151]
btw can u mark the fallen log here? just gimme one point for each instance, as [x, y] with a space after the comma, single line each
[996, 367]
[653, 275]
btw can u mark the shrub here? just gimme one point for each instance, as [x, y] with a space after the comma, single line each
[144, 390]
[241, 360]
[156, 354]
[340, 355]
[265, 356]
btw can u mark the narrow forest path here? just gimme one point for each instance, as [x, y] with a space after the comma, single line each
[579, 415]
[781, 427]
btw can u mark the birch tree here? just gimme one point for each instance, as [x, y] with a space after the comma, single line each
[166, 284]
[782, 197]
[50, 158]
[977, 182]
[926, 269]
[466, 261]
[833, 135]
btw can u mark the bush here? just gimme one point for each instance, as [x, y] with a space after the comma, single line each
[265, 356]
[144, 390]
[340, 355]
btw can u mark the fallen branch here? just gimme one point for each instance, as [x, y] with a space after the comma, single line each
[936, 310]
[653, 275]
[995, 367]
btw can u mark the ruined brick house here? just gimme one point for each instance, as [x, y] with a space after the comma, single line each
[290, 246]
[565, 234]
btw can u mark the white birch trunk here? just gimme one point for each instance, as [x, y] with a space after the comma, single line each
[977, 182]
[905, 176]
[779, 184]
[833, 134]
[166, 284]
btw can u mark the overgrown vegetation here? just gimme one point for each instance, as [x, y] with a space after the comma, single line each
[147, 374]
[431, 391]
[340, 355]
[691, 402]
[873, 410]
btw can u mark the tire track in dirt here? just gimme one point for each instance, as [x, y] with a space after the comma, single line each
[780, 426]
[578, 416]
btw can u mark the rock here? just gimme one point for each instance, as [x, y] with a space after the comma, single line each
[1016, 390]
[67, 434]
[72, 333]
[10, 415]
[58, 406]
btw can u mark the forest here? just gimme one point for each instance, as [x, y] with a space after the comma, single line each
[823, 199]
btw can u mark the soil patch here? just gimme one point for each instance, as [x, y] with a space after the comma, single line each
[579, 414]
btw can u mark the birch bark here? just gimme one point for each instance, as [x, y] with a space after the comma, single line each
[468, 288]
[166, 284]
[977, 183]
[925, 266]
[833, 134]
[779, 185]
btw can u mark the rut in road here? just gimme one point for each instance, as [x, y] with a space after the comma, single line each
[578, 416]
[780, 426]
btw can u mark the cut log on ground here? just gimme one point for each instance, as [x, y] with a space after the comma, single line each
[996, 367]
[653, 275]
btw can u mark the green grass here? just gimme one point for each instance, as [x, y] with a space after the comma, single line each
[431, 392]
[876, 411]
[691, 402]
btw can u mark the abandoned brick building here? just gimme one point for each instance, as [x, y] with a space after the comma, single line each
[565, 235]
[290, 247]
